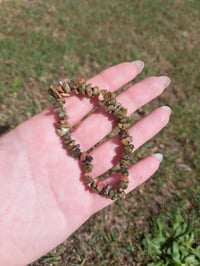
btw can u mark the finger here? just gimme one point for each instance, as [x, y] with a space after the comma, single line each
[118, 75]
[139, 173]
[108, 154]
[143, 92]
[109, 79]
[143, 170]
[149, 126]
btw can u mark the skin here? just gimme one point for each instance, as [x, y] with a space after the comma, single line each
[43, 199]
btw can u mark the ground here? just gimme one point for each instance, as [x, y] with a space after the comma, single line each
[43, 41]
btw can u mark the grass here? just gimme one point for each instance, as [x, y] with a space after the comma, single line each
[174, 247]
[41, 42]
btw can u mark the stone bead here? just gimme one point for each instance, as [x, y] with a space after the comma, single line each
[88, 90]
[71, 144]
[81, 89]
[107, 97]
[94, 184]
[124, 162]
[101, 95]
[65, 86]
[88, 168]
[75, 151]
[113, 102]
[95, 91]
[106, 190]
[120, 112]
[74, 90]
[64, 122]
[72, 84]
[123, 134]
[62, 115]
[100, 185]
[58, 109]
[125, 173]
[126, 125]
[117, 105]
[53, 92]
[121, 194]
[59, 102]
[112, 194]
[123, 185]
[86, 158]
[67, 138]
[124, 178]
[62, 131]
[128, 149]
[60, 90]
[83, 156]
[127, 140]
[120, 125]
[125, 119]
[110, 108]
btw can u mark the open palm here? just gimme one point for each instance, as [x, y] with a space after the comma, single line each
[42, 196]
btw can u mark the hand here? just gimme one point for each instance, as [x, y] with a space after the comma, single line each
[43, 199]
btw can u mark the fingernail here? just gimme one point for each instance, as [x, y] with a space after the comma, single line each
[167, 109]
[158, 156]
[166, 80]
[139, 64]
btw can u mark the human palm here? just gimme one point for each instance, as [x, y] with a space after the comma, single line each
[43, 198]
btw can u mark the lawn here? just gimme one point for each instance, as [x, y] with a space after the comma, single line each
[44, 41]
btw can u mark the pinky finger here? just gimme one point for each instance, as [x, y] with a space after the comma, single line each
[143, 170]
[138, 174]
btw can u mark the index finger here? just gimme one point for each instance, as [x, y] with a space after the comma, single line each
[110, 79]
[116, 76]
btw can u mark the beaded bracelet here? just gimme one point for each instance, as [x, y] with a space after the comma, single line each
[108, 101]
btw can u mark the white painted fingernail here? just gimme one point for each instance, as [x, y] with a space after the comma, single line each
[166, 80]
[167, 109]
[158, 156]
[139, 64]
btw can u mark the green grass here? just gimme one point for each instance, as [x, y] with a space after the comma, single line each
[171, 247]
[43, 41]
